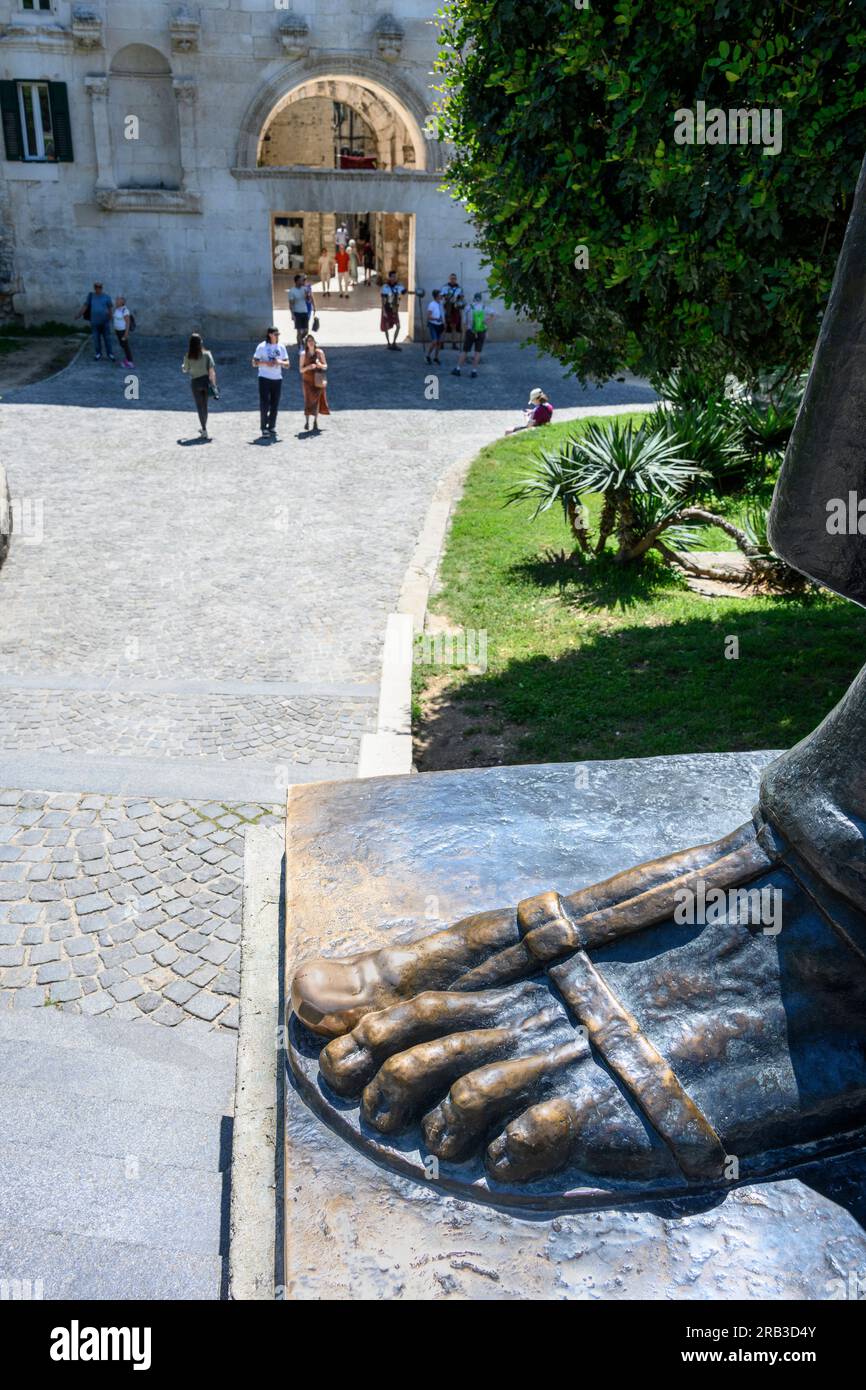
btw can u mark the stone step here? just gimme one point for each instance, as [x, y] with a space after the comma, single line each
[107, 1199]
[113, 1073]
[81, 1267]
[135, 1062]
[77, 1125]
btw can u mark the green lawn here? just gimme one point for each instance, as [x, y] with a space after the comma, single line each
[588, 661]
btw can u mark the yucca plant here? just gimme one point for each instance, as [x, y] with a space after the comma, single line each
[767, 566]
[554, 481]
[643, 478]
[711, 434]
[626, 464]
[687, 387]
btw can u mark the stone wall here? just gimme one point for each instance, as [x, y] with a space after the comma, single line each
[202, 252]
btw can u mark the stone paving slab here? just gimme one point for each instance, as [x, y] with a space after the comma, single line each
[216, 726]
[123, 906]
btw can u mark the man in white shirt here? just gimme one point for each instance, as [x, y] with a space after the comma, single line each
[271, 359]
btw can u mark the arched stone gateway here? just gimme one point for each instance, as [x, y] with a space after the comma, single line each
[389, 92]
[345, 135]
[171, 118]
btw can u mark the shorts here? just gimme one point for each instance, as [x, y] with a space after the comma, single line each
[302, 322]
[474, 341]
[436, 330]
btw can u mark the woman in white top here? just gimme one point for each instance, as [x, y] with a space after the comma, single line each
[122, 323]
[435, 326]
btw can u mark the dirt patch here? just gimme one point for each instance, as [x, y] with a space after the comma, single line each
[454, 733]
[24, 361]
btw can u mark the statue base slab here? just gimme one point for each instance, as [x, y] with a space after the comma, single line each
[388, 859]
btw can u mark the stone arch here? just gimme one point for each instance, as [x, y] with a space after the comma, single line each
[140, 85]
[383, 120]
[387, 90]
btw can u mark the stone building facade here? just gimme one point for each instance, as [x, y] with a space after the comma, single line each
[153, 145]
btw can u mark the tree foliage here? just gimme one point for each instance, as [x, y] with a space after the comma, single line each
[563, 122]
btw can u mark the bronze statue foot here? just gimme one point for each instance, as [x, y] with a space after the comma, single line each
[648, 1047]
[487, 949]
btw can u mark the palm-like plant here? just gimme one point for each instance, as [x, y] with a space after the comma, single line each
[712, 435]
[625, 465]
[773, 570]
[555, 481]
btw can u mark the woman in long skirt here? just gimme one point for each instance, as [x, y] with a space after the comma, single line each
[313, 367]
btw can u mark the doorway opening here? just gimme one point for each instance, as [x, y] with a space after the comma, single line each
[348, 308]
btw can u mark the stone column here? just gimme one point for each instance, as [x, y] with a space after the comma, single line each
[185, 95]
[97, 90]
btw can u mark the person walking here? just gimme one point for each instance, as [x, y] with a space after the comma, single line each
[353, 263]
[201, 369]
[342, 259]
[122, 320]
[271, 360]
[369, 262]
[475, 333]
[97, 309]
[310, 301]
[435, 326]
[453, 303]
[326, 271]
[313, 366]
[390, 316]
[539, 411]
[300, 312]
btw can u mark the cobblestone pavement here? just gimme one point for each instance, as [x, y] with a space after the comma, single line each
[226, 727]
[177, 615]
[122, 905]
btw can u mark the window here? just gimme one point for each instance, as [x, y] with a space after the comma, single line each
[36, 4]
[35, 110]
[36, 125]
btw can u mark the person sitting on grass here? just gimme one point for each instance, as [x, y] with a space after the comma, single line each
[539, 411]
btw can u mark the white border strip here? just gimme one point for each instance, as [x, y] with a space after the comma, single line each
[252, 1244]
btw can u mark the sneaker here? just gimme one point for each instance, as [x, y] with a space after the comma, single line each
[203, 434]
[455, 371]
[473, 373]
[111, 358]
[127, 363]
[98, 357]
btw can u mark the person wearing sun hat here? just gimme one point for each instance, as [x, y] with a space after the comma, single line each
[539, 411]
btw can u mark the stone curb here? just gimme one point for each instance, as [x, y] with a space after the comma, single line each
[254, 1198]
[388, 752]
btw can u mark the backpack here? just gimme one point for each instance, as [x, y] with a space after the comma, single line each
[479, 322]
[131, 321]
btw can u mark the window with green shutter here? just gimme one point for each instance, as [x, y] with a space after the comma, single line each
[36, 125]
[12, 135]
